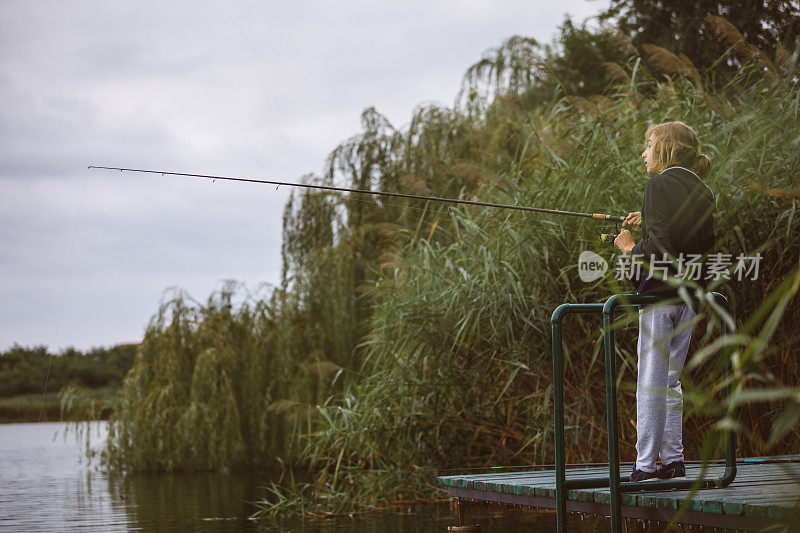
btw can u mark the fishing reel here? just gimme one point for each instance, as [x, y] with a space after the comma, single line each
[608, 238]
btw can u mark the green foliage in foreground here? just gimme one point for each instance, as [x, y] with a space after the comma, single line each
[408, 336]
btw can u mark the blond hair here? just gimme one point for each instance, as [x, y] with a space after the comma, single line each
[676, 144]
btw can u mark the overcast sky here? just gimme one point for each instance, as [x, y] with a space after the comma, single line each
[261, 89]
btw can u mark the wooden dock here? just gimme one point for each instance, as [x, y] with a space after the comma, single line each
[766, 491]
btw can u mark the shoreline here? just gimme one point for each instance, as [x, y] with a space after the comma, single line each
[26, 408]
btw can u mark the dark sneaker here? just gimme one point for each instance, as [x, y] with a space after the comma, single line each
[673, 470]
[641, 475]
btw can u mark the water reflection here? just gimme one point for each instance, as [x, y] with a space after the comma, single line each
[187, 502]
[47, 485]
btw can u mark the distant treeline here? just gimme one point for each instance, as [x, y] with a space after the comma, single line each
[24, 370]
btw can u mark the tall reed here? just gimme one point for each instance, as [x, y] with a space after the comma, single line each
[456, 371]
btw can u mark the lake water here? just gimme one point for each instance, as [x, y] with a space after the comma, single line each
[47, 485]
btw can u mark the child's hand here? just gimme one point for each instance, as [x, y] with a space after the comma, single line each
[624, 241]
[634, 220]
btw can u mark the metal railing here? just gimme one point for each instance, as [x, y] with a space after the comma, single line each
[614, 481]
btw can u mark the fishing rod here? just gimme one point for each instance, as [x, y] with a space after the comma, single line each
[604, 237]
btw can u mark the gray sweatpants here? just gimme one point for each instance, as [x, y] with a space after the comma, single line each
[664, 335]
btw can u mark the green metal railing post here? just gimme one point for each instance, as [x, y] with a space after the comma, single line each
[558, 415]
[612, 418]
[612, 422]
[730, 449]
[558, 405]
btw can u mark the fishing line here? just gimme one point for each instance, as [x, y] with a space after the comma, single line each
[63, 293]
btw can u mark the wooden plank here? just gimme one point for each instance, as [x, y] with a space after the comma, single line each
[638, 513]
[546, 491]
[761, 492]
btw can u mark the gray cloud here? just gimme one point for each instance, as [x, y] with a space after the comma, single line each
[252, 88]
